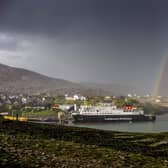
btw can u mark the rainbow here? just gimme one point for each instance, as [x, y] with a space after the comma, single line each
[160, 75]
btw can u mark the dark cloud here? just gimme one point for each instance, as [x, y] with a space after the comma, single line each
[111, 40]
[73, 20]
[59, 15]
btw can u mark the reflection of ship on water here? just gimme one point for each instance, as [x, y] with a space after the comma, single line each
[110, 114]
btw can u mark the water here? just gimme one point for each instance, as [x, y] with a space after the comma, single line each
[160, 125]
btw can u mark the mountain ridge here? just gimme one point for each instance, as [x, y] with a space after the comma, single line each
[18, 80]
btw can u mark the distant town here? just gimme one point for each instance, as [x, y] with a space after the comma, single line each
[45, 106]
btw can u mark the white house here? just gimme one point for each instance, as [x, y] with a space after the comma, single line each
[157, 100]
[75, 97]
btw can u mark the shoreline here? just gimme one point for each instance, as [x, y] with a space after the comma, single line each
[39, 145]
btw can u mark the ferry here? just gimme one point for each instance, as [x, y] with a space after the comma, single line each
[110, 114]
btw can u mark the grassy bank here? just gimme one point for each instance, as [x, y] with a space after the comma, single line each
[36, 145]
[41, 115]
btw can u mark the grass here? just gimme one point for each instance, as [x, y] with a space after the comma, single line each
[43, 113]
[38, 145]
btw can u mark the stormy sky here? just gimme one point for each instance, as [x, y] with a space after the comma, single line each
[101, 41]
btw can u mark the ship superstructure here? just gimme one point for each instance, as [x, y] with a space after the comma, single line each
[111, 113]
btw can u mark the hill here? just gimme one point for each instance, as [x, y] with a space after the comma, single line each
[17, 80]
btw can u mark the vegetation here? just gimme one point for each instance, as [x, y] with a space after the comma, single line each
[37, 145]
[41, 113]
[120, 102]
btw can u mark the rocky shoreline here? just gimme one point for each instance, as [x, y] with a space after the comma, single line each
[24, 144]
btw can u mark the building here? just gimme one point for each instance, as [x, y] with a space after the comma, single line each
[75, 97]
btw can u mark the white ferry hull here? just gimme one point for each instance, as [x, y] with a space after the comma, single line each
[112, 118]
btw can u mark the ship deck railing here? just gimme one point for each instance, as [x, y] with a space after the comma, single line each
[108, 113]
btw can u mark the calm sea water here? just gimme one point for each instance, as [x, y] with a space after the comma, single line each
[160, 125]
